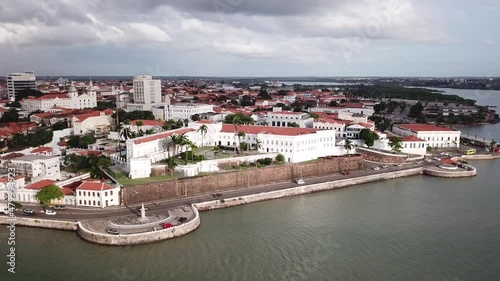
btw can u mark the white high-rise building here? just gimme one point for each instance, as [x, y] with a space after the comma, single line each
[147, 93]
[17, 82]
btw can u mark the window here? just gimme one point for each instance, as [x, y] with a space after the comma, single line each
[80, 202]
[111, 193]
[106, 193]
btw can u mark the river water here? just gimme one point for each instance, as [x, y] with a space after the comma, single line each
[416, 228]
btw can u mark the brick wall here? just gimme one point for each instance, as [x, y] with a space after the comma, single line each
[220, 182]
[381, 157]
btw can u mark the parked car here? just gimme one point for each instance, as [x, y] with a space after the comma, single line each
[346, 173]
[112, 231]
[166, 225]
[50, 212]
[182, 219]
[376, 168]
[384, 166]
[216, 194]
[186, 209]
[28, 211]
[299, 181]
[59, 207]
[399, 165]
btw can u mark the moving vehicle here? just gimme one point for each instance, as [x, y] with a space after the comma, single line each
[346, 173]
[50, 212]
[216, 194]
[28, 211]
[470, 151]
[112, 231]
[376, 168]
[384, 166]
[399, 165]
[182, 219]
[59, 207]
[299, 181]
[186, 209]
[166, 225]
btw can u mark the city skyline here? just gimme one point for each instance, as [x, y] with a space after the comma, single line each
[243, 38]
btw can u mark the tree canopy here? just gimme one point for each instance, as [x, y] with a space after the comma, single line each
[46, 195]
[368, 136]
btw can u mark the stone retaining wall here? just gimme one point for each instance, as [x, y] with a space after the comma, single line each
[140, 238]
[61, 225]
[449, 173]
[304, 189]
[221, 182]
[380, 156]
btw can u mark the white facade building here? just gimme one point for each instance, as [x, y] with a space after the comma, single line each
[146, 93]
[434, 136]
[97, 194]
[71, 100]
[97, 121]
[331, 124]
[283, 118]
[36, 167]
[17, 82]
[414, 145]
[185, 111]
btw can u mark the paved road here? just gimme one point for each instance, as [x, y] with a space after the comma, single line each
[81, 214]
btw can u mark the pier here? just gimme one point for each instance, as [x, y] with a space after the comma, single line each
[475, 140]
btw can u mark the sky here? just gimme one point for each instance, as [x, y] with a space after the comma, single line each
[251, 38]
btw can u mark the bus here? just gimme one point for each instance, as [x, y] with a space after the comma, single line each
[470, 151]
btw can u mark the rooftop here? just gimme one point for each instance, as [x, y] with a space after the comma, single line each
[424, 128]
[284, 131]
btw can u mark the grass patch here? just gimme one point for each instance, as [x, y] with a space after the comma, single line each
[125, 181]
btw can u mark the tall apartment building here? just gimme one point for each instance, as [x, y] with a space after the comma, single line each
[147, 93]
[17, 82]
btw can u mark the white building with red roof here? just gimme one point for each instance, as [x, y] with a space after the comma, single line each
[434, 136]
[414, 145]
[70, 100]
[278, 118]
[96, 121]
[36, 167]
[95, 193]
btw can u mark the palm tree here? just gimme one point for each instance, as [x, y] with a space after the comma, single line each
[236, 123]
[203, 130]
[193, 146]
[258, 144]
[176, 141]
[241, 135]
[348, 146]
[171, 165]
[167, 145]
[125, 134]
[184, 142]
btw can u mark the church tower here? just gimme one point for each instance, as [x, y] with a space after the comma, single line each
[72, 93]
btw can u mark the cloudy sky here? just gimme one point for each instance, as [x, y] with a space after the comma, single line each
[251, 37]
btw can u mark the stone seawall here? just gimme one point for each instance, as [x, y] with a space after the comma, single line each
[481, 157]
[140, 238]
[61, 225]
[304, 189]
[449, 173]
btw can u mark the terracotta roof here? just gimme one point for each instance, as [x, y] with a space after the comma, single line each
[148, 122]
[162, 135]
[53, 96]
[67, 191]
[95, 113]
[287, 113]
[40, 184]
[354, 105]
[412, 138]
[424, 128]
[284, 131]
[94, 185]
[12, 156]
[366, 125]
[42, 149]
[6, 180]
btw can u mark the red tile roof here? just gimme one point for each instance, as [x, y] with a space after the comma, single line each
[284, 131]
[287, 113]
[148, 122]
[96, 113]
[12, 156]
[53, 96]
[163, 135]
[424, 128]
[6, 180]
[412, 138]
[42, 149]
[40, 184]
[354, 105]
[94, 185]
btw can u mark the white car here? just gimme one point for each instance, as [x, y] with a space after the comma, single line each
[384, 166]
[50, 213]
[399, 165]
[299, 181]
[376, 168]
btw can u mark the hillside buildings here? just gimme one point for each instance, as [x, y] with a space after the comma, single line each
[20, 81]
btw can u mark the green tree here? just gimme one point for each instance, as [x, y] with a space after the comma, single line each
[195, 117]
[416, 111]
[59, 126]
[280, 158]
[314, 115]
[258, 144]
[97, 163]
[368, 136]
[10, 116]
[16, 205]
[293, 124]
[46, 195]
[139, 123]
[395, 144]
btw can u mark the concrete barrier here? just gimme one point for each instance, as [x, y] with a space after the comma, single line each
[436, 172]
[51, 224]
[481, 157]
[140, 238]
[303, 189]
